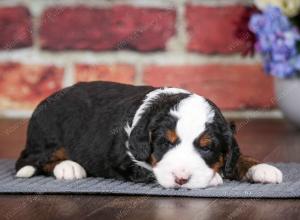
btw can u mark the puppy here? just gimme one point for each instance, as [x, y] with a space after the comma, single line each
[136, 133]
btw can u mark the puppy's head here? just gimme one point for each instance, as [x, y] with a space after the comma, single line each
[186, 141]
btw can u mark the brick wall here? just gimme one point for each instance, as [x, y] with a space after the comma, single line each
[196, 45]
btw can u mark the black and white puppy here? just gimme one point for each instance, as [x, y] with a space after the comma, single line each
[136, 133]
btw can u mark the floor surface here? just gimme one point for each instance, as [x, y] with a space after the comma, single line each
[267, 140]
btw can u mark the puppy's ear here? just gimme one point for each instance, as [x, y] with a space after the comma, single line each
[232, 155]
[140, 142]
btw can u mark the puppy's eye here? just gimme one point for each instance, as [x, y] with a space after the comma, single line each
[205, 141]
[205, 149]
[171, 137]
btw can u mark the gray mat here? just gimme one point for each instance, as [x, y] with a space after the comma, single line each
[290, 188]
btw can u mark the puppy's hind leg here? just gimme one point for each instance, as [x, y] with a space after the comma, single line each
[62, 167]
[69, 170]
[33, 163]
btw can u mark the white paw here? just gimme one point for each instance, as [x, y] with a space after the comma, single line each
[26, 172]
[69, 170]
[216, 180]
[264, 173]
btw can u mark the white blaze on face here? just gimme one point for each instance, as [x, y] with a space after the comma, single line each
[183, 161]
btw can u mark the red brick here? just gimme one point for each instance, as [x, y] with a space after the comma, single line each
[119, 27]
[15, 28]
[215, 29]
[23, 86]
[229, 86]
[117, 73]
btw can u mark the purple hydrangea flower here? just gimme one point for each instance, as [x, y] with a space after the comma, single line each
[281, 69]
[276, 42]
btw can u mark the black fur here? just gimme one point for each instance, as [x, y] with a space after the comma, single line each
[88, 121]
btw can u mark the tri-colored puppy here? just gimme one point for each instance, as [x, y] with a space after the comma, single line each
[136, 133]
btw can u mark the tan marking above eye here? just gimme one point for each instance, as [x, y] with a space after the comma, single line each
[171, 136]
[205, 140]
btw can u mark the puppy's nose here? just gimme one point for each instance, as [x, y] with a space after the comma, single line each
[180, 181]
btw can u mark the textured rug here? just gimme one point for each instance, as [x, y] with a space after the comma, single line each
[290, 188]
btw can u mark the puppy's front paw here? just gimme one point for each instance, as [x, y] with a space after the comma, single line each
[216, 180]
[69, 170]
[264, 173]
